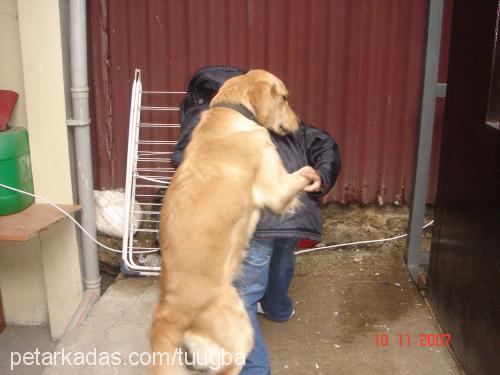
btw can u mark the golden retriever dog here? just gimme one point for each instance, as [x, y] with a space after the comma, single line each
[230, 171]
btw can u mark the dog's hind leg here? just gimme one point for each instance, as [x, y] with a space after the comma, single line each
[222, 334]
[166, 342]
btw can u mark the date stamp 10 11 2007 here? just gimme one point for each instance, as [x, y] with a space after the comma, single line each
[406, 340]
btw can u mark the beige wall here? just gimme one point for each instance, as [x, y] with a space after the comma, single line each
[41, 279]
[11, 69]
[41, 47]
[21, 279]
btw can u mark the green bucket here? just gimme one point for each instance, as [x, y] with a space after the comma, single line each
[15, 170]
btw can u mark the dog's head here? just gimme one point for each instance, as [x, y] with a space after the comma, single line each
[264, 95]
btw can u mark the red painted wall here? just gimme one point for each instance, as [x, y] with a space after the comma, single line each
[353, 67]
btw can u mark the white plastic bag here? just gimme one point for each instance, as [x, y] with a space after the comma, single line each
[109, 206]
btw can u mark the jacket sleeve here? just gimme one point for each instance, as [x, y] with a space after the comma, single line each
[189, 122]
[323, 155]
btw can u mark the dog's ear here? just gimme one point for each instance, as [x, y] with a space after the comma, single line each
[262, 97]
[232, 91]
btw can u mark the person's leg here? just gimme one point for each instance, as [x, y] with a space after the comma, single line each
[276, 303]
[251, 286]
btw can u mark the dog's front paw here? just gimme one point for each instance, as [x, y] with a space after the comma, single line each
[301, 179]
[313, 176]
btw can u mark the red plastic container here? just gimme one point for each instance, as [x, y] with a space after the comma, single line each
[8, 101]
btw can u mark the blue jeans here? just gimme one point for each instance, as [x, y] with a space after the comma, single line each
[266, 276]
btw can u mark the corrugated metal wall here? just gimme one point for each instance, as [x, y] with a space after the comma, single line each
[353, 67]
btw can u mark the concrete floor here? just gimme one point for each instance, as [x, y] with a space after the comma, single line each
[343, 300]
[17, 339]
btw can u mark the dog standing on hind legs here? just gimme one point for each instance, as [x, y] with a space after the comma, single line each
[231, 170]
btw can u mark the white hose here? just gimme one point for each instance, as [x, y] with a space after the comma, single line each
[303, 251]
[72, 219]
[358, 242]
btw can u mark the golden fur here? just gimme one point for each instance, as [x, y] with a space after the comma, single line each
[230, 171]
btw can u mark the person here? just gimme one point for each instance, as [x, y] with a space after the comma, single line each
[269, 263]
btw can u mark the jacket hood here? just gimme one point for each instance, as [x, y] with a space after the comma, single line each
[205, 83]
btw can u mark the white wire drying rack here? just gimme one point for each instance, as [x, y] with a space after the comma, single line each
[149, 169]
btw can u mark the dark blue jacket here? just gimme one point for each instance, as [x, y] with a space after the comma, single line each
[307, 146]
